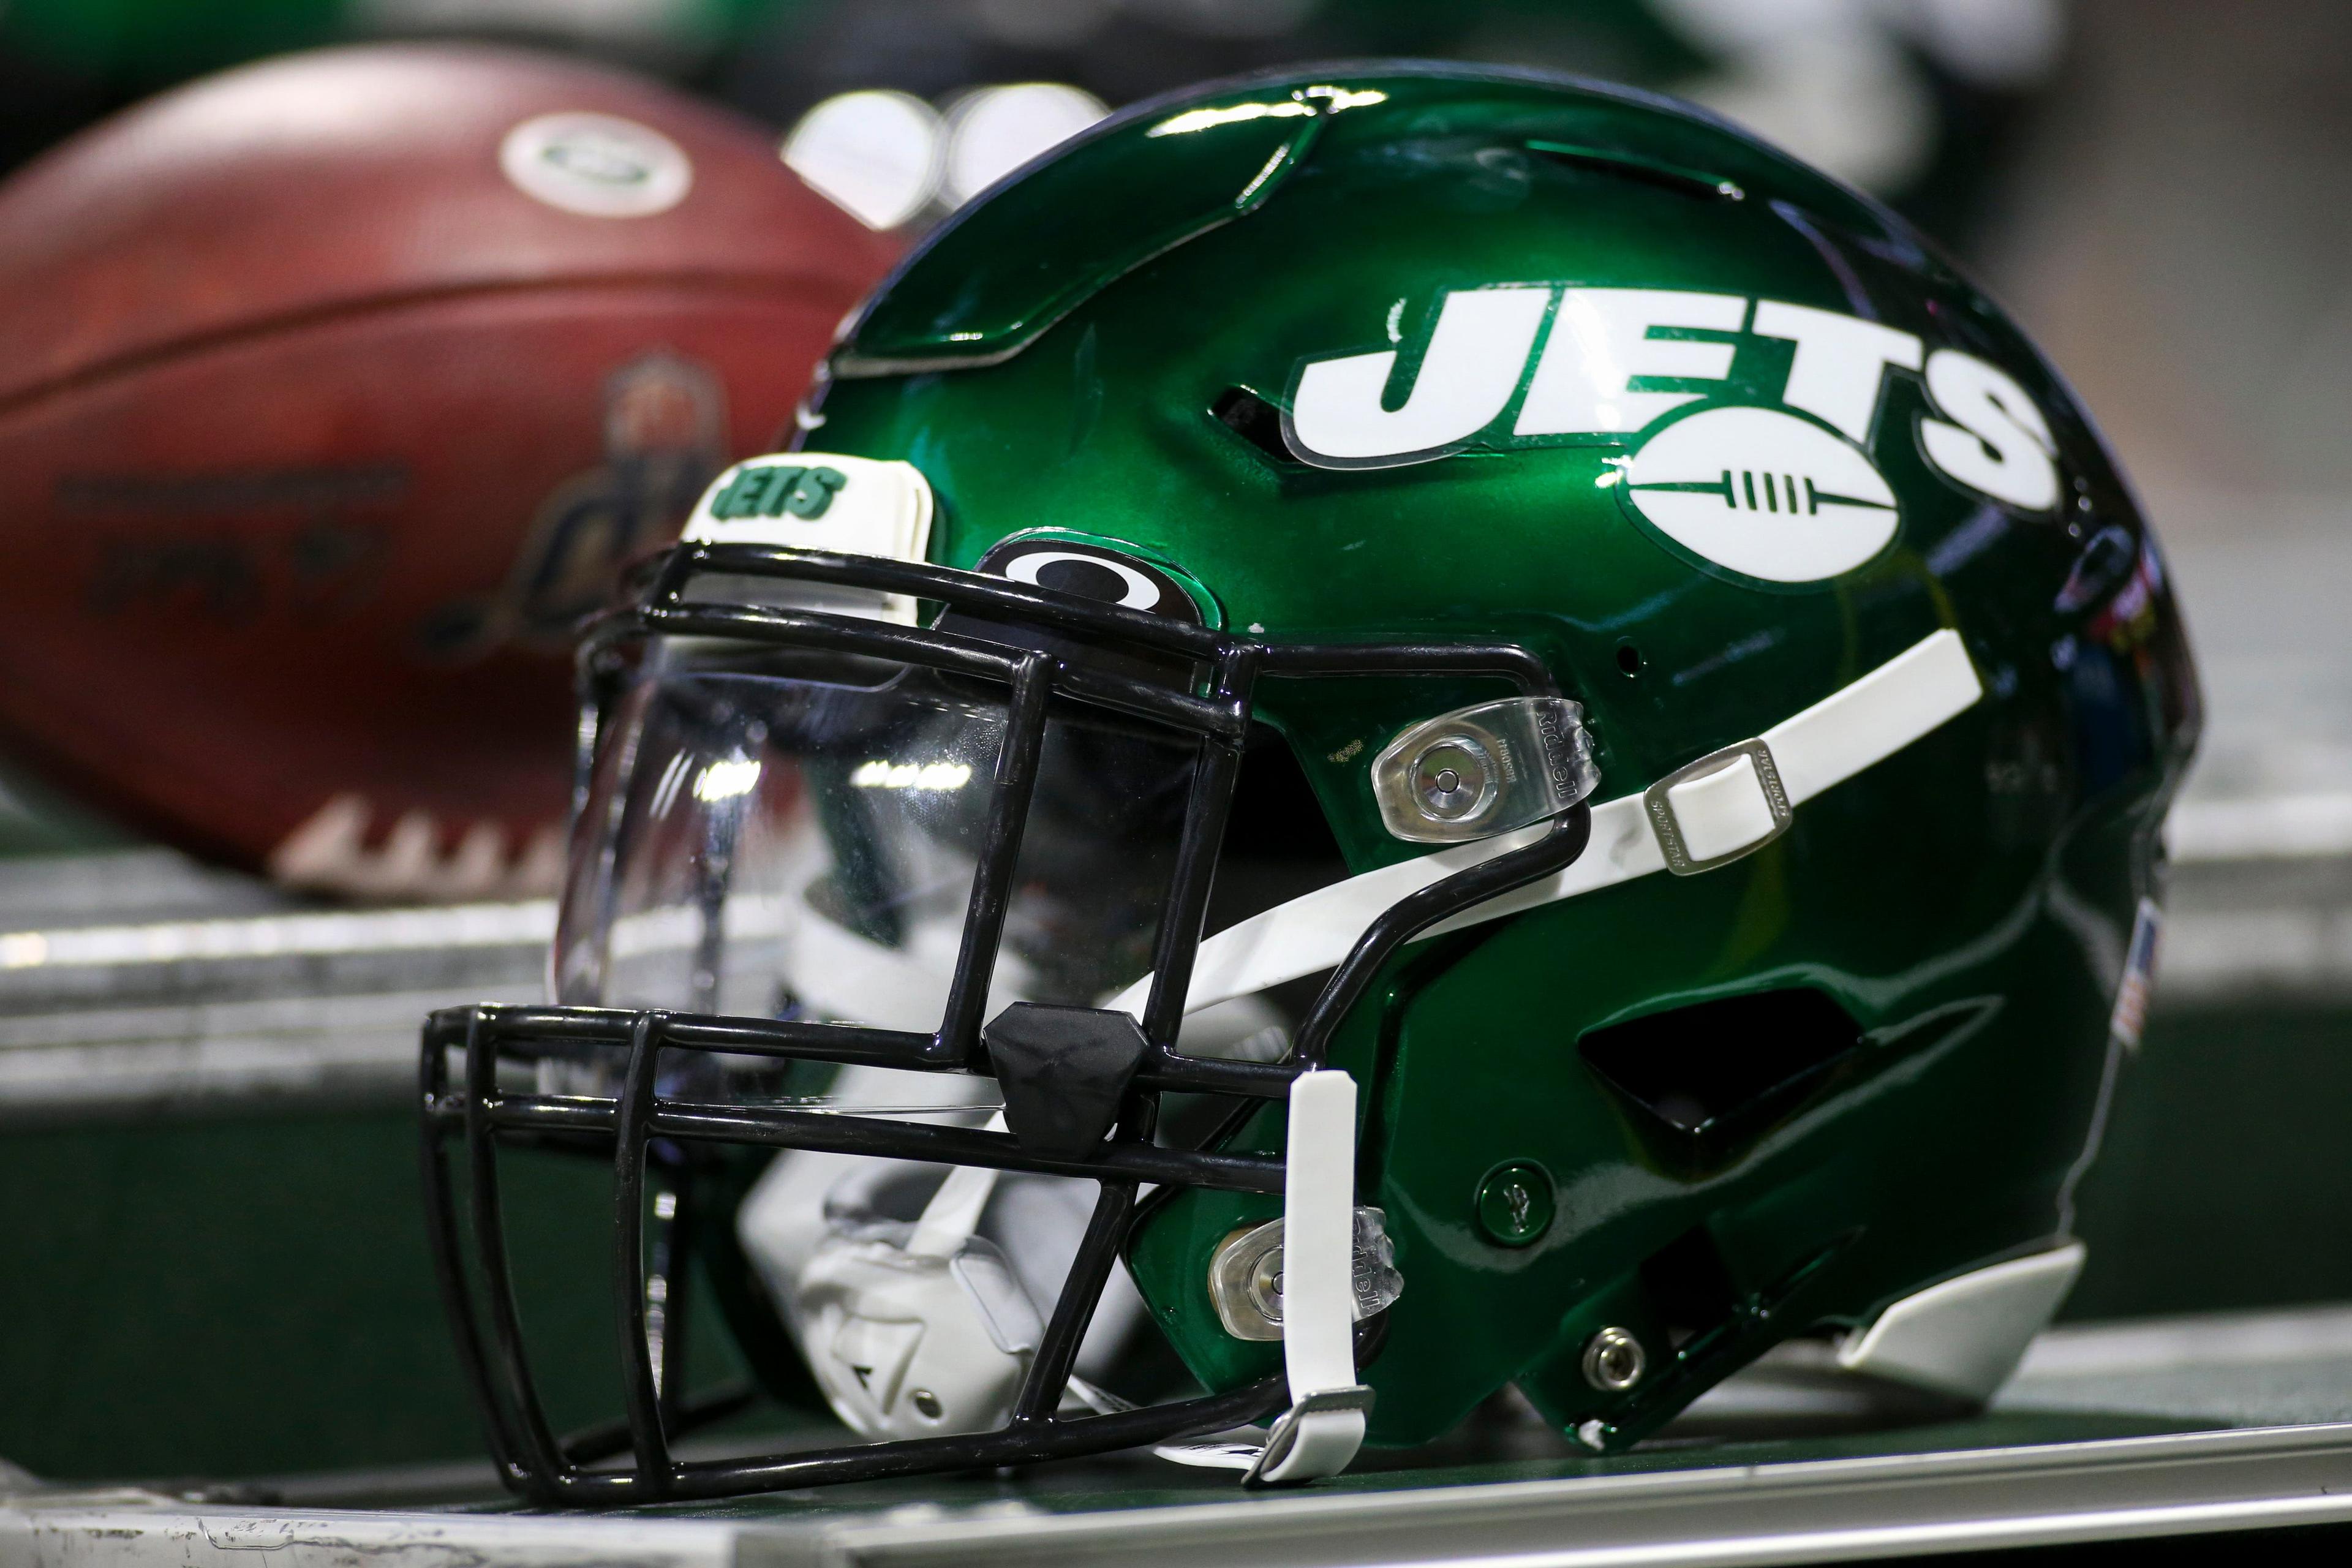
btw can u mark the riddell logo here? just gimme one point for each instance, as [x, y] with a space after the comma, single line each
[1785, 494]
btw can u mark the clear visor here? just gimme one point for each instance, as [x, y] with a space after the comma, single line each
[798, 839]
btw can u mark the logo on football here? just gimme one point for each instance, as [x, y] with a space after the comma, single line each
[1767, 494]
[598, 165]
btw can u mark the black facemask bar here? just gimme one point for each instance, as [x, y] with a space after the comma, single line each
[480, 1113]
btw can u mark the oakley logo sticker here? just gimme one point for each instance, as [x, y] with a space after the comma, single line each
[1092, 572]
[1062, 561]
[1539, 364]
[1134, 590]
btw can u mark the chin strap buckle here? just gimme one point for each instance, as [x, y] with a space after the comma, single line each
[1320, 1433]
[1723, 806]
[1316, 1438]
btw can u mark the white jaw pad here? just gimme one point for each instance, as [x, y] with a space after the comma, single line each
[918, 1337]
[1964, 1337]
[1846, 732]
[910, 1344]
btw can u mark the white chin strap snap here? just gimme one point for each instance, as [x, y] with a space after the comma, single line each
[917, 1331]
[1320, 1433]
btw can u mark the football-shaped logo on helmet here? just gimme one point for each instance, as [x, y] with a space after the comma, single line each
[1767, 494]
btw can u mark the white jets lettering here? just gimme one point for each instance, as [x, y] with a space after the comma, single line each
[1475, 356]
[1840, 364]
[1601, 342]
[1617, 361]
[1998, 441]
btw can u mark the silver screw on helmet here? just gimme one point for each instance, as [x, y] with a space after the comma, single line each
[1484, 770]
[1613, 1361]
[1453, 779]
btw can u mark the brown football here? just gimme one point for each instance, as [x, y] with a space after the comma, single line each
[332, 392]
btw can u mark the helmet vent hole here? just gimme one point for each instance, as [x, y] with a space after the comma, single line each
[1629, 658]
[1254, 420]
[1708, 1080]
[1704, 184]
[1688, 1286]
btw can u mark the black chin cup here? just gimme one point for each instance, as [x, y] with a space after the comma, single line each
[1081, 1087]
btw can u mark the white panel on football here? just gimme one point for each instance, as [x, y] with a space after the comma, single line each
[997, 130]
[597, 165]
[1601, 341]
[877, 155]
[1764, 493]
[1480, 345]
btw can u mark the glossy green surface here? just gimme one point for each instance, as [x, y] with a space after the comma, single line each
[1967, 901]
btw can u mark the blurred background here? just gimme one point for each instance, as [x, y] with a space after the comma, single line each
[206, 1136]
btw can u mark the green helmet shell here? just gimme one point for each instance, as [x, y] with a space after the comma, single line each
[1451, 354]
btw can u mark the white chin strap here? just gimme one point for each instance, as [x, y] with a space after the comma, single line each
[1324, 1427]
[1715, 810]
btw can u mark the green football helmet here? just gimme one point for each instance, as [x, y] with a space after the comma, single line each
[1512, 739]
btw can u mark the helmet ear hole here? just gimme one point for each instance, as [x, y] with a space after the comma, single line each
[1687, 1286]
[1254, 420]
[1683, 1300]
[1704, 1081]
[1278, 844]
